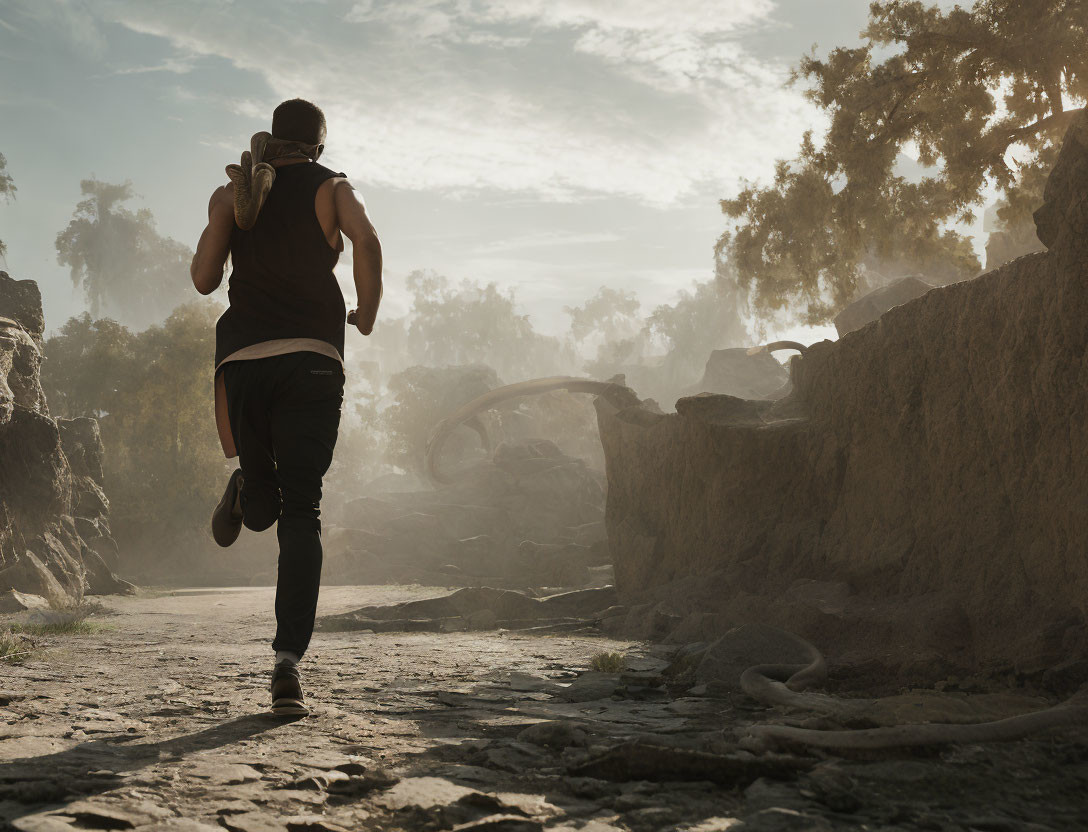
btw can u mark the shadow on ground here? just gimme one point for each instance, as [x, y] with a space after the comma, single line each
[50, 781]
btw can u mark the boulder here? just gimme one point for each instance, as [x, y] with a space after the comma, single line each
[20, 367]
[529, 516]
[26, 573]
[1061, 220]
[15, 601]
[477, 608]
[742, 647]
[1005, 244]
[871, 306]
[21, 301]
[54, 515]
[917, 497]
[736, 373]
[100, 578]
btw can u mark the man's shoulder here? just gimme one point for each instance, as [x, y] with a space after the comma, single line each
[223, 196]
[328, 173]
[333, 185]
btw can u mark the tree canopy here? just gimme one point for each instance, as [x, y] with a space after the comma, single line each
[703, 320]
[980, 95]
[422, 397]
[473, 324]
[7, 191]
[124, 266]
[152, 394]
[89, 365]
[611, 313]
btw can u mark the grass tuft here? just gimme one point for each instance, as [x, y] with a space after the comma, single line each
[79, 609]
[64, 618]
[609, 663]
[53, 627]
[14, 648]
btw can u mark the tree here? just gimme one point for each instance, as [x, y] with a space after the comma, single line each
[701, 321]
[7, 191]
[152, 394]
[613, 313]
[424, 396]
[981, 95]
[119, 259]
[87, 366]
[477, 325]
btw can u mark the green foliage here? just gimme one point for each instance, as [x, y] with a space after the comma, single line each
[7, 184]
[612, 313]
[609, 663]
[422, 397]
[703, 320]
[63, 626]
[86, 366]
[7, 191]
[359, 456]
[979, 94]
[152, 394]
[14, 647]
[568, 419]
[119, 259]
[475, 325]
[77, 610]
[19, 639]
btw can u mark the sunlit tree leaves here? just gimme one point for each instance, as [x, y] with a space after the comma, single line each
[979, 95]
[152, 393]
[125, 268]
[7, 191]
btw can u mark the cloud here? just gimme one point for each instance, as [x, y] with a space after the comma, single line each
[562, 100]
[706, 16]
[71, 19]
[173, 65]
[545, 240]
[680, 40]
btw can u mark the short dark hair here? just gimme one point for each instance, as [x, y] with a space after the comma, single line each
[299, 121]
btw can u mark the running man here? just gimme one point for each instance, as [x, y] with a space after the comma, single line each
[279, 354]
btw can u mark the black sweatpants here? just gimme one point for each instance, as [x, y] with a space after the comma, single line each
[285, 413]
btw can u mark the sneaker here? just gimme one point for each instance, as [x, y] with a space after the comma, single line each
[287, 691]
[227, 517]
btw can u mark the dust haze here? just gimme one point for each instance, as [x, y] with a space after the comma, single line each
[717, 459]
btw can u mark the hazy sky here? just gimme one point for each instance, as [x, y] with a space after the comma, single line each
[552, 146]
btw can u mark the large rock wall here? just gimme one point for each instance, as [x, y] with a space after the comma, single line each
[54, 517]
[922, 490]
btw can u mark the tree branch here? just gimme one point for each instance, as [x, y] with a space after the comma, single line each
[1060, 119]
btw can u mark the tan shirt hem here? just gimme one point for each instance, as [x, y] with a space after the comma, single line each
[282, 346]
[265, 349]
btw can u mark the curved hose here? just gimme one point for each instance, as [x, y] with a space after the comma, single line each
[779, 345]
[1074, 711]
[781, 684]
[617, 394]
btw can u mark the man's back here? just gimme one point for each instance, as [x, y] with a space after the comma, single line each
[282, 285]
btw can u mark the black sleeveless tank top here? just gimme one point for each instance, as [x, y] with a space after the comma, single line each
[282, 284]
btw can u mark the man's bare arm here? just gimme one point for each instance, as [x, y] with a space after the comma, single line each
[366, 255]
[214, 245]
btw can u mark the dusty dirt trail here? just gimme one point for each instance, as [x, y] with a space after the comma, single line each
[157, 720]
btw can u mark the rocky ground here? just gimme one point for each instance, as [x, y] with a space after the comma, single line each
[154, 719]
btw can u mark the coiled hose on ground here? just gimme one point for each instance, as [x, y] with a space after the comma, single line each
[784, 684]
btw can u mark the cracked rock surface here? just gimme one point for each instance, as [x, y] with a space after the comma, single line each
[157, 721]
